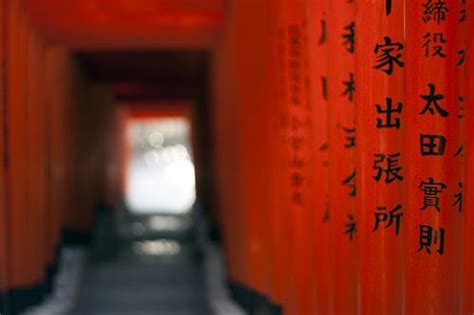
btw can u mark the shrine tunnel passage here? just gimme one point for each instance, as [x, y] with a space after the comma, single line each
[201, 157]
[131, 241]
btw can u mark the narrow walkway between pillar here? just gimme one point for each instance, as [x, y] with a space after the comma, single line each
[143, 273]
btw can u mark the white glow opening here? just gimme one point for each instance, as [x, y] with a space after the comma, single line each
[160, 173]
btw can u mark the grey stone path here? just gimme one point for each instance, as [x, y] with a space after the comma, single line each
[178, 273]
[127, 281]
[134, 285]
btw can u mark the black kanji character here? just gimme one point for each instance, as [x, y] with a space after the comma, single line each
[459, 152]
[431, 190]
[324, 87]
[462, 57]
[323, 37]
[432, 104]
[434, 45]
[388, 55]
[350, 181]
[461, 107]
[349, 37]
[435, 10]
[350, 138]
[326, 215]
[350, 87]
[388, 7]
[388, 121]
[381, 216]
[432, 144]
[351, 227]
[458, 198]
[462, 15]
[428, 237]
[391, 169]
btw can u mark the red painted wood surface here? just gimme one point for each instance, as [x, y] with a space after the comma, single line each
[105, 24]
[268, 172]
[55, 121]
[3, 148]
[36, 156]
[342, 171]
[380, 208]
[297, 123]
[19, 249]
[250, 27]
[228, 168]
[281, 286]
[468, 219]
[319, 225]
[432, 143]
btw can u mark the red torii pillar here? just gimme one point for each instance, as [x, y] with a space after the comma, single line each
[433, 149]
[342, 145]
[380, 101]
[319, 224]
[468, 220]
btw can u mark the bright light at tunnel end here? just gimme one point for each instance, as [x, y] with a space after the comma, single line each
[160, 172]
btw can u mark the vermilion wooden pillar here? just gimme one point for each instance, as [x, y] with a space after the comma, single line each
[59, 176]
[40, 100]
[343, 220]
[3, 148]
[318, 48]
[297, 123]
[75, 160]
[281, 287]
[54, 119]
[284, 190]
[98, 103]
[50, 252]
[250, 19]
[468, 220]
[433, 149]
[113, 155]
[380, 162]
[226, 169]
[35, 148]
[265, 122]
[20, 253]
